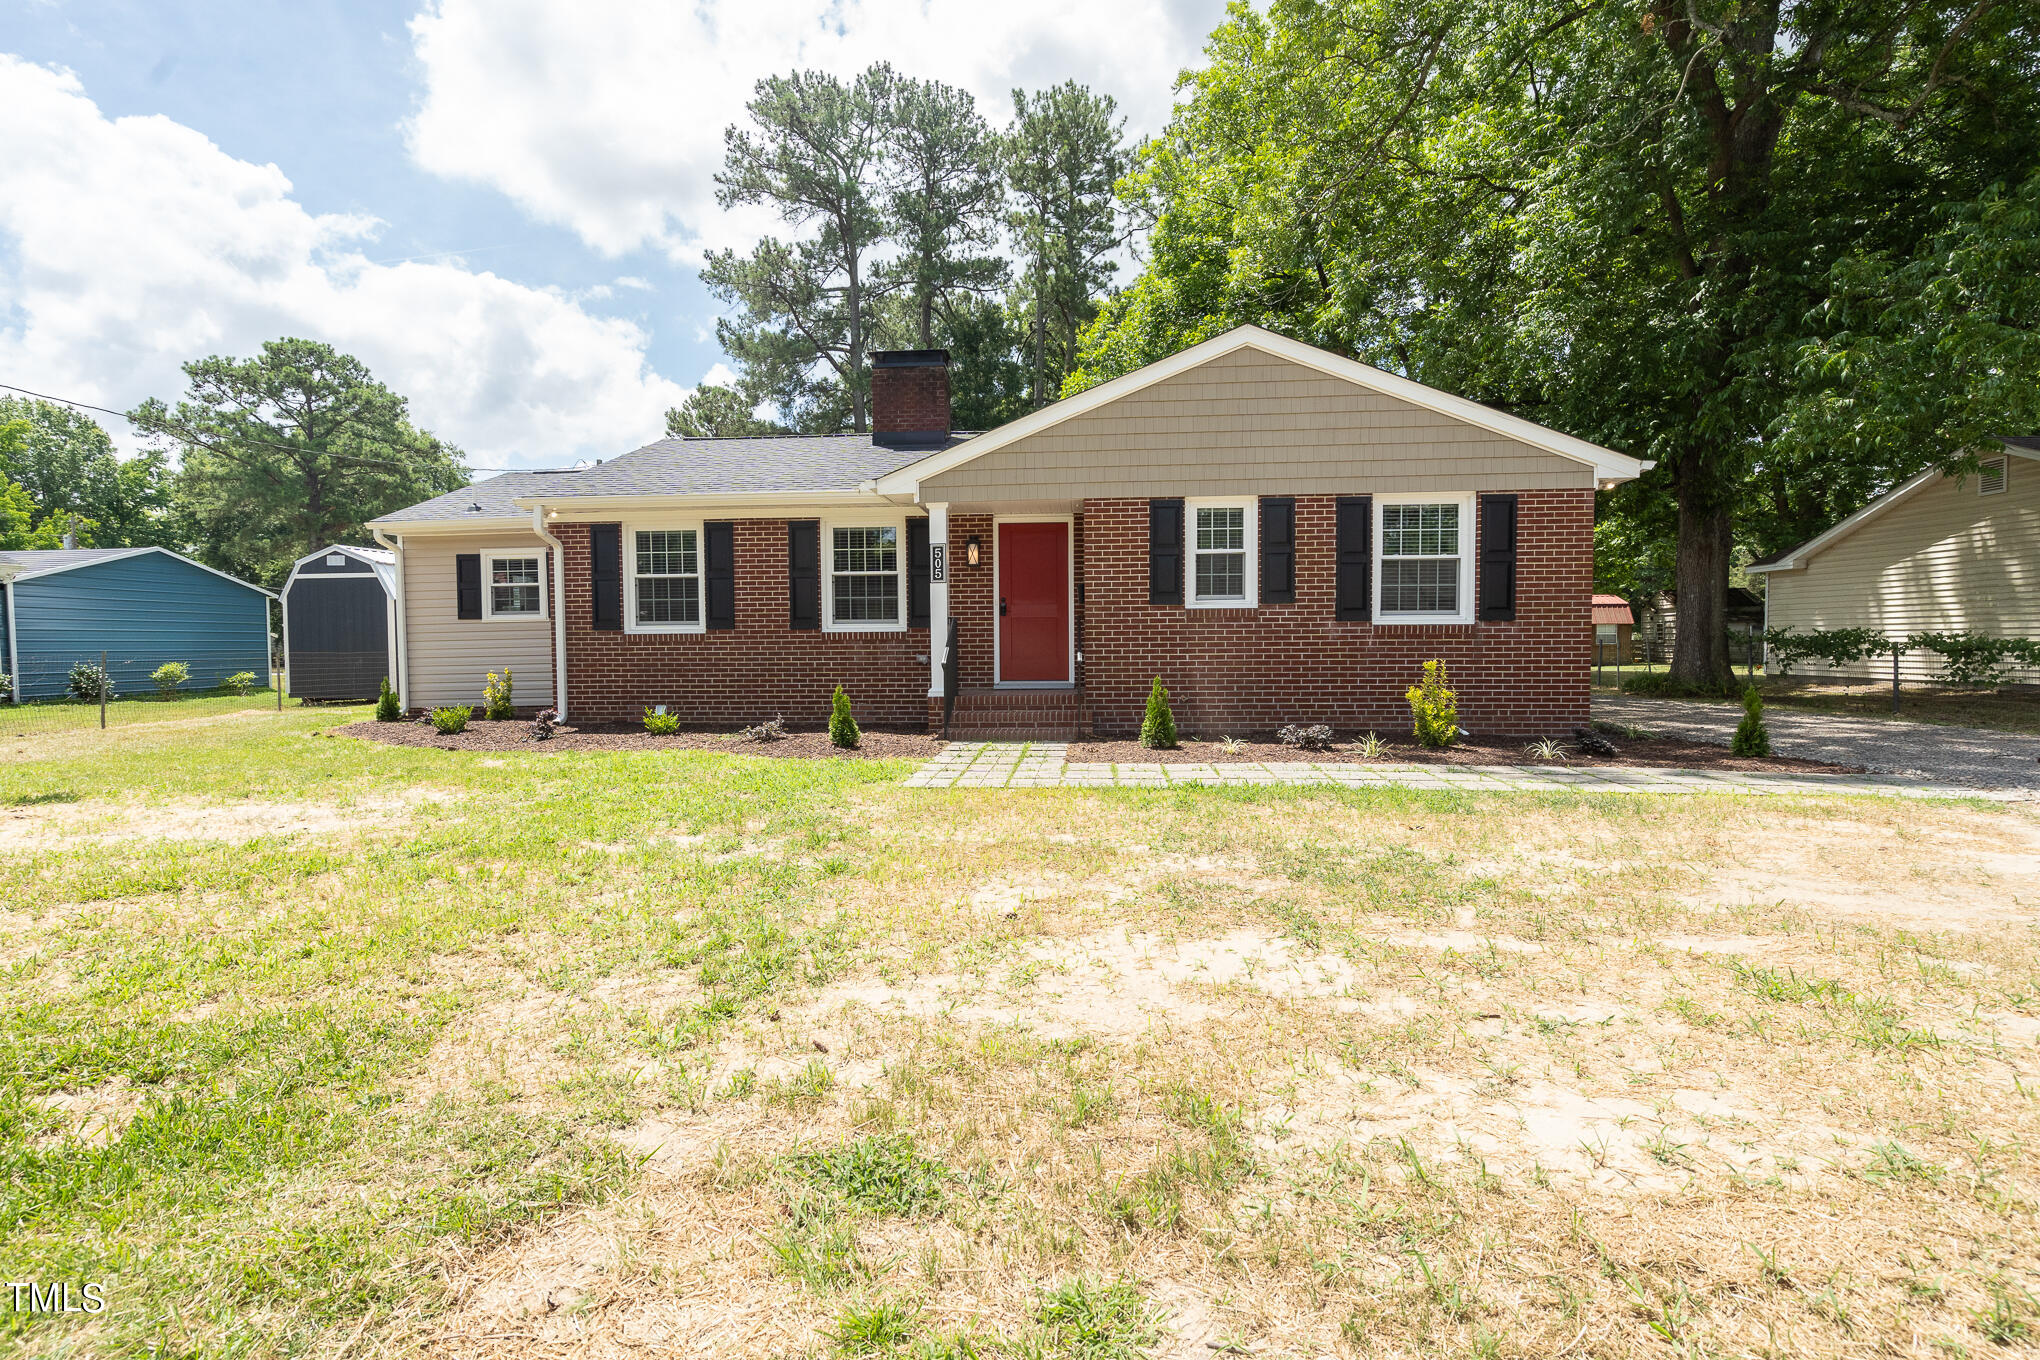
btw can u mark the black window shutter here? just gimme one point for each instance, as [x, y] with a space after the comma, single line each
[1497, 579]
[467, 584]
[1278, 550]
[721, 572]
[917, 573]
[1356, 559]
[605, 577]
[1165, 552]
[804, 573]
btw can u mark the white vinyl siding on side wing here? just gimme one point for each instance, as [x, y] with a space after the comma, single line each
[1946, 559]
[451, 657]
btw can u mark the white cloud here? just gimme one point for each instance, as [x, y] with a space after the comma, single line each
[607, 116]
[130, 245]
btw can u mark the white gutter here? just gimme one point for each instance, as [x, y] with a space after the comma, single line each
[559, 613]
[14, 649]
[402, 640]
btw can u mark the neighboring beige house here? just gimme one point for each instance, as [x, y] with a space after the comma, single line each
[1938, 553]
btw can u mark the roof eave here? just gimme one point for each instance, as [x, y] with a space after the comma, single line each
[718, 500]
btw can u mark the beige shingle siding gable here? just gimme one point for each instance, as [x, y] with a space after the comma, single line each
[1246, 423]
[1944, 559]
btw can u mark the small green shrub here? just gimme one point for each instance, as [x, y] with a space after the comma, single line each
[89, 681]
[387, 706]
[1664, 685]
[1158, 728]
[170, 677]
[1751, 738]
[449, 722]
[1434, 708]
[842, 727]
[496, 697]
[6, 686]
[661, 724]
[240, 682]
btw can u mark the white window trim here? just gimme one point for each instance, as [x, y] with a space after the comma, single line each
[2003, 463]
[1252, 506]
[491, 556]
[628, 553]
[1467, 546]
[898, 524]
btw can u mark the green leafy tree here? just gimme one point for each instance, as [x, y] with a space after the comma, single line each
[943, 197]
[290, 450]
[1064, 153]
[715, 411]
[68, 466]
[804, 309]
[18, 529]
[1625, 221]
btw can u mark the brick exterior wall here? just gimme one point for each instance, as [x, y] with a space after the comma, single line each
[1243, 670]
[760, 669]
[1237, 670]
[910, 398]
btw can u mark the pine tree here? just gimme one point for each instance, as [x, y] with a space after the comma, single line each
[1158, 728]
[842, 727]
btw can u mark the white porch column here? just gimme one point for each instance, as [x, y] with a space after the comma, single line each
[939, 567]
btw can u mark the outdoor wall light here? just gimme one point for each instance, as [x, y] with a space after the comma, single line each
[970, 550]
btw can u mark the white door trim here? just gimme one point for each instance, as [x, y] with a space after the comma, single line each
[1069, 680]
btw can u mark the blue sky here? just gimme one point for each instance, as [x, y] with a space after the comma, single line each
[500, 205]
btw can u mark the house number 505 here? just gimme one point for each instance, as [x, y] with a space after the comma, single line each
[938, 562]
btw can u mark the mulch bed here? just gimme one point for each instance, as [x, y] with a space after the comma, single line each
[877, 744]
[1690, 755]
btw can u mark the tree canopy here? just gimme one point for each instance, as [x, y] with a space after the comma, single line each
[1712, 233]
[66, 465]
[290, 450]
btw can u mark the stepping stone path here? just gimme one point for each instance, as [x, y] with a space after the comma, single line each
[1045, 765]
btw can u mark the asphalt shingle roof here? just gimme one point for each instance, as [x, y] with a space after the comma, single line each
[757, 465]
[736, 467]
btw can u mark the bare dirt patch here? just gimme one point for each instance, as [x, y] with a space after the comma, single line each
[875, 744]
[57, 825]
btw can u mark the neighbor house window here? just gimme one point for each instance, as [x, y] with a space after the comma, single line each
[864, 576]
[515, 586]
[1423, 560]
[666, 579]
[1221, 564]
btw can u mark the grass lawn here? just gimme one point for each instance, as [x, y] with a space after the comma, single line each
[1948, 705]
[317, 1047]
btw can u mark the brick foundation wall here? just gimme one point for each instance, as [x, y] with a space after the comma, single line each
[760, 669]
[1243, 670]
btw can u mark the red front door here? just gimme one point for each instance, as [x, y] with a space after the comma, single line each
[1034, 602]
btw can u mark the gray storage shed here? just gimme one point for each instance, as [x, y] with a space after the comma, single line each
[340, 624]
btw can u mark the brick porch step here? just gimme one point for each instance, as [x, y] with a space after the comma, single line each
[1018, 715]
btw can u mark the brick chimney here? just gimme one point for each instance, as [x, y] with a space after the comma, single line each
[910, 398]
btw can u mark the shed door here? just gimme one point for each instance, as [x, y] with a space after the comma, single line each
[339, 637]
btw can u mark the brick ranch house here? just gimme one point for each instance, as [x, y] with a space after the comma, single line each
[1281, 534]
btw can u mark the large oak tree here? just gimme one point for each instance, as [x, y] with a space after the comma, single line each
[1658, 224]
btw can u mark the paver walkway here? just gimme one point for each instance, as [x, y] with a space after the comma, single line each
[1043, 765]
[1923, 751]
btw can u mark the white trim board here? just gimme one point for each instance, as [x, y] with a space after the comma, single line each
[1607, 464]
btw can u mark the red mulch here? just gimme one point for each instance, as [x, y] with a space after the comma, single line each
[877, 744]
[1691, 755]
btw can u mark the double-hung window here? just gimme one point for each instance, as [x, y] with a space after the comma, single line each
[1221, 565]
[864, 576]
[1423, 559]
[513, 586]
[666, 579]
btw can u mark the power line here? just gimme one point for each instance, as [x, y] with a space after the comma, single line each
[107, 410]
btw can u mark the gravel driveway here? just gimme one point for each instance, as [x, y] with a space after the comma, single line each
[1949, 755]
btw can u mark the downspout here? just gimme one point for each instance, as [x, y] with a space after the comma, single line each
[559, 554]
[13, 648]
[403, 638]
